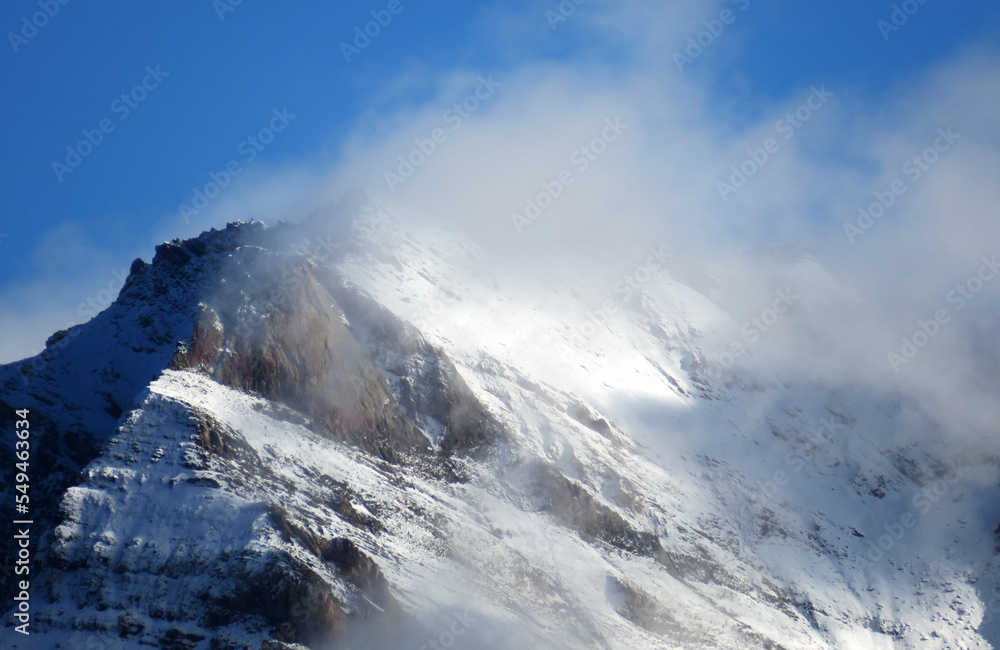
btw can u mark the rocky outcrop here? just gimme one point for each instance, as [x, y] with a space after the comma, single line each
[423, 379]
[294, 600]
[574, 506]
[635, 605]
[278, 325]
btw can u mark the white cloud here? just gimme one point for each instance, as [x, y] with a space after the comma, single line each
[658, 181]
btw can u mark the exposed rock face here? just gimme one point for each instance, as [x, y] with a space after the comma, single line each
[362, 572]
[423, 379]
[635, 605]
[266, 322]
[202, 350]
[279, 326]
[572, 504]
[178, 592]
[272, 322]
[295, 601]
[248, 451]
[299, 352]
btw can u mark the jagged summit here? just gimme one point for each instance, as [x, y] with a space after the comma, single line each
[349, 433]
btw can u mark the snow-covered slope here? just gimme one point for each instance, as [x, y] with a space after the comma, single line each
[811, 484]
[273, 454]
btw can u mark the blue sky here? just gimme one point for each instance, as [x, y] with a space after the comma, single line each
[227, 70]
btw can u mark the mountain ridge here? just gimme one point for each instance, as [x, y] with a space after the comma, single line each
[283, 384]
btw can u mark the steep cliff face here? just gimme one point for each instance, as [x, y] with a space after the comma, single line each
[259, 321]
[279, 325]
[289, 341]
[243, 558]
[255, 447]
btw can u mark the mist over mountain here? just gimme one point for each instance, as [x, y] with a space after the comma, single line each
[359, 431]
[497, 324]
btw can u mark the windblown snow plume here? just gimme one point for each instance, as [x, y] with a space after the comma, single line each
[358, 431]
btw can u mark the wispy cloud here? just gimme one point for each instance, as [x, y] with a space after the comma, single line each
[659, 182]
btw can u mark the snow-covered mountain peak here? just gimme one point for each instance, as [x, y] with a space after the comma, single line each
[362, 431]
